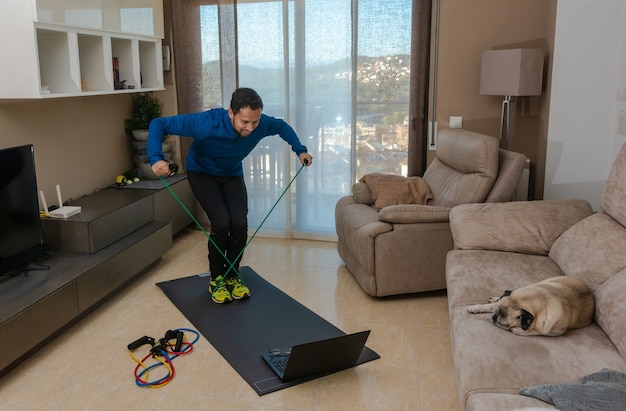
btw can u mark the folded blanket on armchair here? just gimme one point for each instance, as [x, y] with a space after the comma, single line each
[601, 391]
[390, 189]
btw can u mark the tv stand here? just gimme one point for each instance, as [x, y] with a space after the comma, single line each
[24, 270]
[34, 267]
[36, 308]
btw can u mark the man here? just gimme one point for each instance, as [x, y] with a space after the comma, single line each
[221, 140]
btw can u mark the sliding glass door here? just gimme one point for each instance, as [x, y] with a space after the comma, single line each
[338, 72]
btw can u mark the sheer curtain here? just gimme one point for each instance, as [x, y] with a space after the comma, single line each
[341, 72]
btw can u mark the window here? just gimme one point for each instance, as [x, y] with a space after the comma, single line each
[338, 71]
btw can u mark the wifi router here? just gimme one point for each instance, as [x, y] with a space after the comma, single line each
[65, 212]
[62, 211]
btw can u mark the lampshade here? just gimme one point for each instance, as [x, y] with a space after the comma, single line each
[511, 72]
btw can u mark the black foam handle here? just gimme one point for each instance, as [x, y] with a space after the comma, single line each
[173, 168]
[141, 341]
[170, 335]
[179, 341]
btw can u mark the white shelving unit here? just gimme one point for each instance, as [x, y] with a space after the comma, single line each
[46, 57]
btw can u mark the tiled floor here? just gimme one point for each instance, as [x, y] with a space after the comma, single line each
[89, 368]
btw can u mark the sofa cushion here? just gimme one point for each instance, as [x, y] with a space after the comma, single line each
[362, 193]
[610, 309]
[614, 195]
[510, 168]
[465, 168]
[413, 213]
[475, 275]
[591, 250]
[523, 226]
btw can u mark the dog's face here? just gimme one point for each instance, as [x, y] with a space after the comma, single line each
[509, 314]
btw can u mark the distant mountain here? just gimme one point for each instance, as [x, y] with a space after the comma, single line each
[380, 80]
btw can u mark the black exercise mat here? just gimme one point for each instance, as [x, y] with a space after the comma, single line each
[242, 330]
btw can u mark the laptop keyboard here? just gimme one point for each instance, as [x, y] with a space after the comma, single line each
[280, 363]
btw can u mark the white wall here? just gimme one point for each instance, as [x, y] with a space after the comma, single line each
[588, 94]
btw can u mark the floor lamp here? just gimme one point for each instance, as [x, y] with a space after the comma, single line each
[511, 73]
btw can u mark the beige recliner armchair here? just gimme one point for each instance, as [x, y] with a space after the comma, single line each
[402, 248]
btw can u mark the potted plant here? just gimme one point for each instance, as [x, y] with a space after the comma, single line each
[145, 108]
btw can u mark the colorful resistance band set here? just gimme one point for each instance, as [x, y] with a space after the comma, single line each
[162, 350]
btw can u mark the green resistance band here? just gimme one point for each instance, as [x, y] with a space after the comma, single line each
[231, 264]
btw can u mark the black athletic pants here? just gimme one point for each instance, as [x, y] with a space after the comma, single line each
[225, 201]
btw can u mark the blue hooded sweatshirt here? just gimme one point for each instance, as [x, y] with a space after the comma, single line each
[216, 149]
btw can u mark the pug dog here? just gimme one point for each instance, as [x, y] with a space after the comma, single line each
[549, 307]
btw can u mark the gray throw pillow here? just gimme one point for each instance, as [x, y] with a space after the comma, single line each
[601, 391]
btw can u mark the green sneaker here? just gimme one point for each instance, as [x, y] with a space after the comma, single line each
[219, 291]
[239, 289]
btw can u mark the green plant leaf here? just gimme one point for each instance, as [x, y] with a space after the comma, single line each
[145, 108]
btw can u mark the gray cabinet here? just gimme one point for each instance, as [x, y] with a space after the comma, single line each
[119, 235]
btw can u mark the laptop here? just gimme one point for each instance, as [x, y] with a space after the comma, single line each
[318, 357]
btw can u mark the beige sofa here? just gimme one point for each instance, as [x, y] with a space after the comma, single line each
[505, 246]
[402, 248]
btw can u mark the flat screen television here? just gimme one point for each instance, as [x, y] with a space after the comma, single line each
[21, 241]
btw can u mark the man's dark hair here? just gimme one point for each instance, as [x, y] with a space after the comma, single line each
[245, 97]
